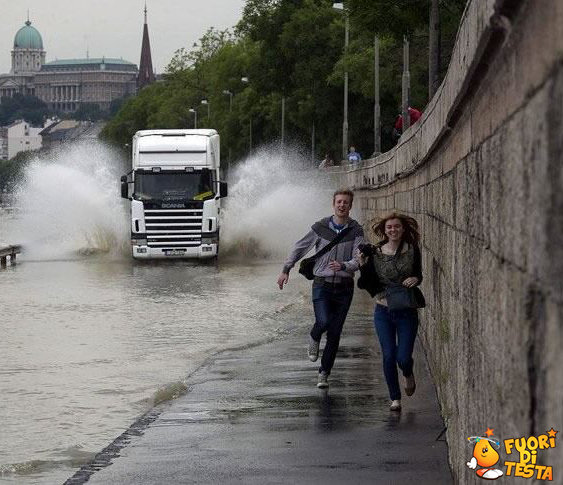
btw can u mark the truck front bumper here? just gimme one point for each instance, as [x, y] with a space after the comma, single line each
[195, 252]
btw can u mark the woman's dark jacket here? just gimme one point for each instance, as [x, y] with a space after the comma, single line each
[369, 280]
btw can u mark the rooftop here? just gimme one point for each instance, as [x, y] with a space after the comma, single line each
[90, 64]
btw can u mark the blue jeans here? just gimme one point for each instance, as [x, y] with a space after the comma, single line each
[396, 330]
[331, 306]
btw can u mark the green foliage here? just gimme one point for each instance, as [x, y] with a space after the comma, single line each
[293, 49]
[20, 107]
[88, 111]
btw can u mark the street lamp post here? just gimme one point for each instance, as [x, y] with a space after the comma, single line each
[406, 86]
[340, 6]
[282, 122]
[194, 111]
[205, 101]
[376, 106]
[245, 80]
[230, 94]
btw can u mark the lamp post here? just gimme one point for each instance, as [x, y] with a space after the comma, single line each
[245, 80]
[194, 111]
[406, 85]
[205, 101]
[230, 94]
[376, 107]
[283, 122]
[340, 6]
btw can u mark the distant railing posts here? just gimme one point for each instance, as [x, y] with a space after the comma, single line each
[8, 251]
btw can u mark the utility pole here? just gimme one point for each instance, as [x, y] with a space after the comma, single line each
[345, 122]
[376, 106]
[230, 94]
[194, 111]
[406, 85]
[282, 122]
[340, 6]
[434, 49]
[313, 145]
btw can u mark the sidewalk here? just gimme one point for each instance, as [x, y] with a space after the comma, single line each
[256, 416]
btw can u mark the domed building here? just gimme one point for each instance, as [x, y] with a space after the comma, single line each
[66, 84]
[28, 54]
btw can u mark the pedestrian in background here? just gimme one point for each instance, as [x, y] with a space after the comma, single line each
[328, 161]
[414, 116]
[353, 156]
[333, 272]
[391, 270]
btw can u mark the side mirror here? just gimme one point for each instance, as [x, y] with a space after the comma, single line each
[223, 192]
[124, 187]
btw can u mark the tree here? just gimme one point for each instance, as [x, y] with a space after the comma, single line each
[23, 107]
[292, 50]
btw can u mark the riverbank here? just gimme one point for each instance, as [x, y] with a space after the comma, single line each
[256, 416]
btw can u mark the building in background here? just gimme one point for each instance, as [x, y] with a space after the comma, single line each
[146, 73]
[18, 137]
[67, 84]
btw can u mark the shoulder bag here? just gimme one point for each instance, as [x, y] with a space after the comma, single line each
[400, 297]
[307, 264]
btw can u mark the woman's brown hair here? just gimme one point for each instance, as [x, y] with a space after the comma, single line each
[411, 234]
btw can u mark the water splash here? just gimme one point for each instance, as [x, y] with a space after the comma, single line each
[69, 204]
[272, 202]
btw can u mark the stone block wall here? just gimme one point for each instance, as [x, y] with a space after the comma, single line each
[482, 173]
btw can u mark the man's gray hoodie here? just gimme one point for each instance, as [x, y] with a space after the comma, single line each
[321, 233]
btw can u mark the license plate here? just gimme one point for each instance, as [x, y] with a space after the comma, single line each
[174, 252]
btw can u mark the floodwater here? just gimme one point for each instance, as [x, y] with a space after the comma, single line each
[92, 339]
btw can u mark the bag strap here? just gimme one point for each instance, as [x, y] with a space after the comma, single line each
[332, 243]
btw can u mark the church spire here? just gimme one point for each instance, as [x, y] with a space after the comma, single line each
[146, 74]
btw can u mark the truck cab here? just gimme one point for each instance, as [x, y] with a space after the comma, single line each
[175, 192]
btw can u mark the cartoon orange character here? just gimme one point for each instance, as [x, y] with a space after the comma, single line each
[485, 455]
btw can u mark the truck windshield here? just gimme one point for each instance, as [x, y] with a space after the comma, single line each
[173, 186]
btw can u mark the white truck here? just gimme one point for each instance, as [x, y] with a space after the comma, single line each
[175, 192]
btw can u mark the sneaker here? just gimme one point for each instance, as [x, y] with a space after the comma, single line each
[313, 349]
[410, 385]
[323, 380]
[395, 405]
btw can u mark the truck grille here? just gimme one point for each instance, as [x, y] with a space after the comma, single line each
[173, 228]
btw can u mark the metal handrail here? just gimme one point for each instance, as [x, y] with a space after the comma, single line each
[9, 251]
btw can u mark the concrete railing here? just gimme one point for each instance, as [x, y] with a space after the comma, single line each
[8, 252]
[482, 173]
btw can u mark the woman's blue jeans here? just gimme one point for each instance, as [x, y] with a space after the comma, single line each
[396, 330]
[331, 306]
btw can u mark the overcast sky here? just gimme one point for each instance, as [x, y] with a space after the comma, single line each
[113, 28]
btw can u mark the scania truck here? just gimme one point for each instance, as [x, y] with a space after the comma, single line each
[175, 192]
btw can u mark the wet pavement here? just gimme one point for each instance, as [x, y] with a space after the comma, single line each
[255, 415]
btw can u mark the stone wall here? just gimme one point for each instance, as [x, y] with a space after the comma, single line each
[482, 173]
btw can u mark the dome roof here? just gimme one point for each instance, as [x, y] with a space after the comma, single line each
[28, 38]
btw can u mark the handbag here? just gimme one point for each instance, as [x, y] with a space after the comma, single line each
[401, 297]
[307, 264]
